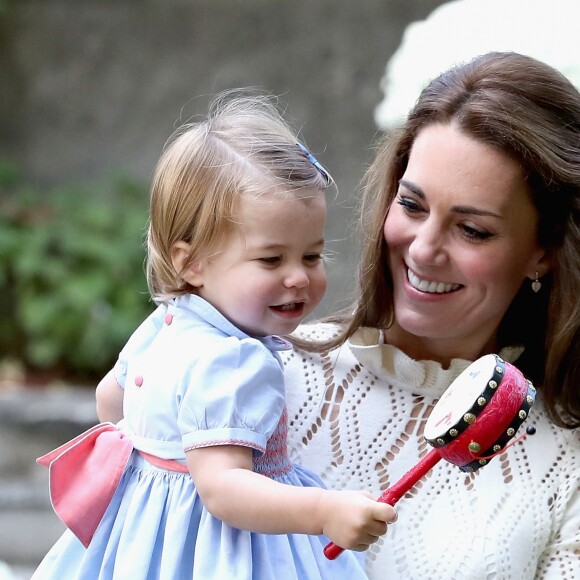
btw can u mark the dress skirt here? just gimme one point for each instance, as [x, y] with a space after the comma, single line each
[156, 528]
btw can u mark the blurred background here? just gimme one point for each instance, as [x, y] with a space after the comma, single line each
[89, 92]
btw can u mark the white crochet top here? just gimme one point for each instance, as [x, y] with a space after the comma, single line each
[356, 417]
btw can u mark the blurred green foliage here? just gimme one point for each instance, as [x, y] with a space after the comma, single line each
[72, 280]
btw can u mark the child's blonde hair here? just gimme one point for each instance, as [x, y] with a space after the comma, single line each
[243, 148]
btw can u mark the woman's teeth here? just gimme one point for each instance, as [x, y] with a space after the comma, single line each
[428, 286]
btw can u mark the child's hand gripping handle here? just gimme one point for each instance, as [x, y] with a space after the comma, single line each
[395, 492]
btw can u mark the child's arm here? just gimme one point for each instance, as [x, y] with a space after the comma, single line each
[109, 397]
[232, 492]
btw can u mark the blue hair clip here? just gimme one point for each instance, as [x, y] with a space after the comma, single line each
[316, 163]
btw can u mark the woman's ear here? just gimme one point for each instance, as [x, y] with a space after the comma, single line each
[192, 274]
[544, 263]
[542, 266]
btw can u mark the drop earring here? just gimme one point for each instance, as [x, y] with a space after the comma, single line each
[536, 284]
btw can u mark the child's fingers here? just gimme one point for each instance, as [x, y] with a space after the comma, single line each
[385, 513]
[366, 542]
[394, 516]
[377, 528]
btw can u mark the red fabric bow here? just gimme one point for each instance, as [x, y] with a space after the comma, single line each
[84, 475]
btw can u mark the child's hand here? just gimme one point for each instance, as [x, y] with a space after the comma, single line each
[354, 519]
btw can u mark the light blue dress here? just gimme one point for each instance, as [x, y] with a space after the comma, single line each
[192, 379]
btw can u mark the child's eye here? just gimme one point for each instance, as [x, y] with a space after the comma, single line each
[270, 260]
[312, 258]
[408, 204]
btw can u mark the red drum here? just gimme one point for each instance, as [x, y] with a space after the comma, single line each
[480, 412]
[472, 422]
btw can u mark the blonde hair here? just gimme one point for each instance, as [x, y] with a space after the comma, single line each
[243, 148]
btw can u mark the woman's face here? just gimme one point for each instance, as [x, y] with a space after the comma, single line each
[461, 236]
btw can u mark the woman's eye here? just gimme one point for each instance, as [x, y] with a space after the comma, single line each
[408, 204]
[473, 233]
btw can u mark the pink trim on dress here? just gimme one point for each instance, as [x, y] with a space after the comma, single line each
[217, 442]
[168, 464]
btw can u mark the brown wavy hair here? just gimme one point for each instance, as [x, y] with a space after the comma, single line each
[530, 112]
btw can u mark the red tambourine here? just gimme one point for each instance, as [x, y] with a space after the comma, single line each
[473, 421]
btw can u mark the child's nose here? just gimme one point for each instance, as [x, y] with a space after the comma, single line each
[297, 277]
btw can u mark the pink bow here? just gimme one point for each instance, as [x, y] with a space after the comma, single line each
[84, 475]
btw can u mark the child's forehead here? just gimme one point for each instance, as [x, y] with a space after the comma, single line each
[253, 211]
[280, 197]
[272, 214]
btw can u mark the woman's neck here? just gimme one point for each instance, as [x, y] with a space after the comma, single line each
[442, 351]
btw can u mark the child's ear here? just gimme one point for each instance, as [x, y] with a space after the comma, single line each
[193, 273]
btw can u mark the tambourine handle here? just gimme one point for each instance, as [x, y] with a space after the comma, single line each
[332, 551]
[392, 495]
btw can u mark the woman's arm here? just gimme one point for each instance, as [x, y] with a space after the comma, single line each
[109, 397]
[560, 558]
[232, 492]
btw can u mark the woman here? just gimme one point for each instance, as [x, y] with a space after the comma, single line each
[471, 225]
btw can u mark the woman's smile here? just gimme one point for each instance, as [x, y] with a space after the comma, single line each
[461, 236]
[430, 286]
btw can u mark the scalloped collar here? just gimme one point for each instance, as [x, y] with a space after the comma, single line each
[421, 377]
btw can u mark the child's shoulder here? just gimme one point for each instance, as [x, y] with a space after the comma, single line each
[148, 328]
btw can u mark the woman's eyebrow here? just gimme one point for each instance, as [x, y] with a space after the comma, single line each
[412, 187]
[461, 209]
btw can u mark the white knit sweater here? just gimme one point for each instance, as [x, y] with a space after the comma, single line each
[356, 417]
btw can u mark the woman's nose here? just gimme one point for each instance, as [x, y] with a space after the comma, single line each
[428, 245]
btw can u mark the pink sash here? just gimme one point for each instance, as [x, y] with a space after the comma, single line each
[85, 473]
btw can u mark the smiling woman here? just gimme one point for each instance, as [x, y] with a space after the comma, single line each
[470, 222]
[461, 238]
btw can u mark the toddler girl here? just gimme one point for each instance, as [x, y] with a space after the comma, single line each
[195, 480]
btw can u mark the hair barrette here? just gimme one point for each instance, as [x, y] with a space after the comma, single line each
[316, 163]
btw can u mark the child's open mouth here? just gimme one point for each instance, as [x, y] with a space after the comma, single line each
[290, 310]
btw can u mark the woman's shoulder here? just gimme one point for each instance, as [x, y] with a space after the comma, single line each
[313, 359]
[316, 332]
[569, 441]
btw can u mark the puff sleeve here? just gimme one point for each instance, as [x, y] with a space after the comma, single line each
[233, 394]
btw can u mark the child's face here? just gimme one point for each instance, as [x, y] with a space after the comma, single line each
[269, 275]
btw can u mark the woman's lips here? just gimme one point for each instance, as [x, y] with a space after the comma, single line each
[430, 286]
